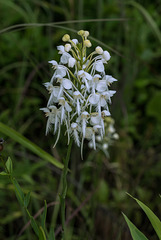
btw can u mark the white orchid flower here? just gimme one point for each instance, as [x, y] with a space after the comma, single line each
[64, 84]
[94, 82]
[64, 107]
[54, 95]
[101, 86]
[95, 118]
[85, 77]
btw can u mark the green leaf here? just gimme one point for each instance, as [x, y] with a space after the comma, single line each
[27, 200]
[18, 191]
[51, 234]
[41, 234]
[156, 223]
[9, 165]
[34, 225]
[4, 173]
[44, 216]
[28, 144]
[135, 232]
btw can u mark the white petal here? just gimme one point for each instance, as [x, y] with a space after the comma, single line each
[96, 127]
[83, 127]
[53, 62]
[68, 107]
[74, 125]
[105, 113]
[76, 94]
[75, 41]
[111, 92]
[45, 110]
[61, 71]
[62, 114]
[78, 106]
[81, 73]
[103, 102]
[94, 99]
[71, 62]
[88, 76]
[94, 141]
[109, 79]
[99, 66]
[61, 49]
[95, 119]
[64, 58]
[76, 137]
[101, 86]
[67, 84]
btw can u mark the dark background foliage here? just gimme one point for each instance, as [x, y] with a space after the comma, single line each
[97, 185]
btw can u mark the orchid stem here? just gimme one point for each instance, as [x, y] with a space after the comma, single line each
[64, 190]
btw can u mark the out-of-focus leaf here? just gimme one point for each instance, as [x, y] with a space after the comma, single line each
[27, 199]
[18, 191]
[9, 165]
[4, 174]
[51, 234]
[44, 216]
[148, 17]
[41, 234]
[154, 105]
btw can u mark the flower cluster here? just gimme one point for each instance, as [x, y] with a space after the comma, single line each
[79, 91]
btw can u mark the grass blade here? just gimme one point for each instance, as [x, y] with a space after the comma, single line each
[156, 223]
[148, 17]
[135, 232]
[28, 144]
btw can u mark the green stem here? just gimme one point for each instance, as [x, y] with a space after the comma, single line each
[64, 190]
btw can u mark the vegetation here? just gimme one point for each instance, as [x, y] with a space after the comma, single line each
[97, 185]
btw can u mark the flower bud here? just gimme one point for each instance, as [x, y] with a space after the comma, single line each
[99, 50]
[87, 43]
[116, 136]
[67, 47]
[105, 146]
[66, 38]
[106, 55]
[81, 32]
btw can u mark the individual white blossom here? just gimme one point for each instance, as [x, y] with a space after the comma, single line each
[79, 94]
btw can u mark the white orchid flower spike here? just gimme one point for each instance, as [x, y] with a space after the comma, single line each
[79, 94]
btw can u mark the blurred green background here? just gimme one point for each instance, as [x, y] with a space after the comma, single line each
[130, 31]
